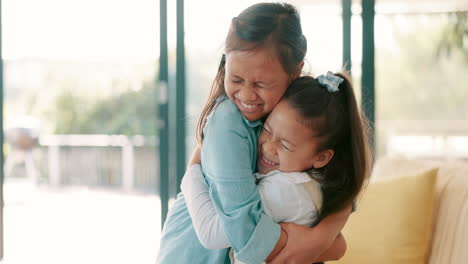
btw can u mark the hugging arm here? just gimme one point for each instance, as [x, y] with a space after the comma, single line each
[320, 243]
[336, 250]
[205, 220]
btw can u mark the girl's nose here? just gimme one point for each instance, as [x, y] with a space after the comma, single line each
[269, 149]
[247, 94]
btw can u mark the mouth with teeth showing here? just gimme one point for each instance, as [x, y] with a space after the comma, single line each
[267, 163]
[248, 108]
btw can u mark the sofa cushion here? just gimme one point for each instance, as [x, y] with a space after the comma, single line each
[450, 222]
[394, 167]
[450, 231]
[393, 221]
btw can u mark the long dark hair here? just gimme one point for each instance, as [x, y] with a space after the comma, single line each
[338, 125]
[272, 25]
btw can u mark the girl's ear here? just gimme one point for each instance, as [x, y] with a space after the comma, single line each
[322, 158]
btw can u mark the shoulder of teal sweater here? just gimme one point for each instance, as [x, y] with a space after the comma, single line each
[226, 117]
[227, 112]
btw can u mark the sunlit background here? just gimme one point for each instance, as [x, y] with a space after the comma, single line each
[81, 118]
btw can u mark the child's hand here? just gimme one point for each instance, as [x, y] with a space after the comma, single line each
[299, 247]
[320, 243]
[196, 156]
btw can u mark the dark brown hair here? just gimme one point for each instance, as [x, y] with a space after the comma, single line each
[335, 119]
[263, 25]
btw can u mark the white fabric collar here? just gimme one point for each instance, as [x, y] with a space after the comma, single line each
[295, 177]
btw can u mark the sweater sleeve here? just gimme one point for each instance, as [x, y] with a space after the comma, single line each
[205, 220]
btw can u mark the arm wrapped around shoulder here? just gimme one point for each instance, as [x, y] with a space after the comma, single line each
[205, 221]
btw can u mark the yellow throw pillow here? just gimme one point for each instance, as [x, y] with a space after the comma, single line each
[393, 221]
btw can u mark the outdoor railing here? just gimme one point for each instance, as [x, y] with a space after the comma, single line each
[440, 139]
[129, 163]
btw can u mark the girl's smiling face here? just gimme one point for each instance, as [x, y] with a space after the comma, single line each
[255, 81]
[287, 144]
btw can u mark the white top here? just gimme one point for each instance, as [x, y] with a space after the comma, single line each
[284, 198]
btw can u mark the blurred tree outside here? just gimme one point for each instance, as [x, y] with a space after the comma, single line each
[84, 97]
[454, 37]
[414, 80]
[129, 113]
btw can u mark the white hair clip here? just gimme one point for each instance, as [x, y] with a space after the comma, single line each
[330, 81]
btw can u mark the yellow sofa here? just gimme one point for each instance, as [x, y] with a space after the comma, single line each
[447, 229]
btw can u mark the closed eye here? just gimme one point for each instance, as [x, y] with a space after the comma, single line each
[260, 85]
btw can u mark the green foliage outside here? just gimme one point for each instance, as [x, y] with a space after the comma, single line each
[454, 36]
[425, 78]
[129, 113]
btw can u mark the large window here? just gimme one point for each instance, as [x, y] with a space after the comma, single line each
[80, 117]
[421, 84]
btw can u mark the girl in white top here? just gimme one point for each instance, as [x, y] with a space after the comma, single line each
[307, 160]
